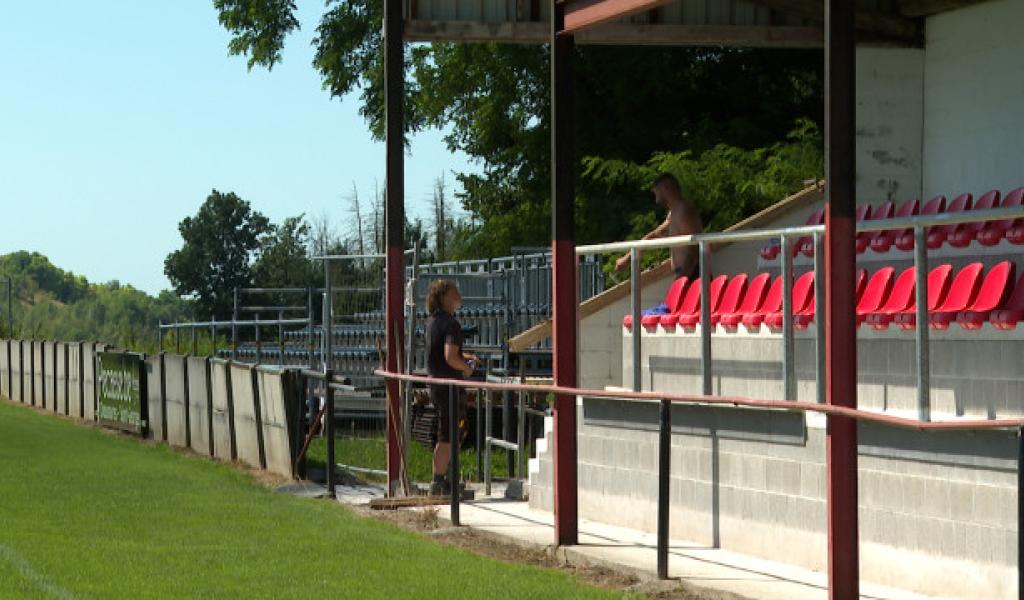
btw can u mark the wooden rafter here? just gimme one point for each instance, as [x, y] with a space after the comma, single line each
[581, 14]
[924, 8]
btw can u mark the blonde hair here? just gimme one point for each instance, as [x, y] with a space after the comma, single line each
[438, 290]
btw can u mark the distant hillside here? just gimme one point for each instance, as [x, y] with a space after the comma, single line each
[51, 303]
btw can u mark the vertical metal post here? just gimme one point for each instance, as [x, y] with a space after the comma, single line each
[924, 409]
[481, 435]
[234, 328]
[664, 481]
[635, 292]
[788, 359]
[280, 337]
[707, 387]
[521, 436]
[566, 291]
[259, 343]
[841, 328]
[394, 103]
[177, 338]
[160, 336]
[1020, 513]
[327, 331]
[195, 341]
[453, 460]
[487, 443]
[213, 340]
[819, 317]
[329, 432]
[309, 328]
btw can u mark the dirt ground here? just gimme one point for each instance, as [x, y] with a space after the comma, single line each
[427, 523]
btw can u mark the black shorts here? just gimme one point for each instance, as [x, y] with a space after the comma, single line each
[440, 398]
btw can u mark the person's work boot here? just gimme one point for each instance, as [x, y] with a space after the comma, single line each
[439, 486]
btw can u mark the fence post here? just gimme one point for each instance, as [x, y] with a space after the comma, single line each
[635, 292]
[788, 360]
[921, 301]
[664, 481]
[329, 432]
[705, 319]
[453, 460]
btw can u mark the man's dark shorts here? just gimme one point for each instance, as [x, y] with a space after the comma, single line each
[440, 398]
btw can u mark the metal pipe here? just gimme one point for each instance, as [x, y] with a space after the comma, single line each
[705, 319]
[487, 443]
[634, 295]
[664, 481]
[788, 366]
[1020, 513]
[329, 433]
[819, 316]
[309, 328]
[922, 345]
[521, 437]
[204, 324]
[453, 460]
[328, 328]
[234, 328]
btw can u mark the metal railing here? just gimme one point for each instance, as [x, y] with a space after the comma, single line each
[917, 224]
[233, 324]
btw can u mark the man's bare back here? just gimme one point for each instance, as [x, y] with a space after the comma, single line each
[682, 219]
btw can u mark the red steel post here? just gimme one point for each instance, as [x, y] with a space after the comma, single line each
[394, 92]
[840, 325]
[565, 289]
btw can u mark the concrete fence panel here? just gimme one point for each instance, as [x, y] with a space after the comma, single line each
[17, 360]
[276, 420]
[155, 397]
[199, 410]
[38, 369]
[246, 416]
[49, 361]
[74, 374]
[5, 368]
[223, 427]
[176, 399]
[60, 377]
[89, 350]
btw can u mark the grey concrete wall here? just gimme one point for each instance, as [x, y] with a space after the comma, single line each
[17, 357]
[275, 420]
[38, 381]
[74, 379]
[155, 399]
[199, 406]
[176, 400]
[937, 511]
[89, 350]
[246, 421]
[49, 376]
[5, 368]
[61, 377]
[223, 424]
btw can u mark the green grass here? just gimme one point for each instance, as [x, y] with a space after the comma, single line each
[371, 453]
[87, 514]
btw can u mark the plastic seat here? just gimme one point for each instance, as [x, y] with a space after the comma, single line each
[962, 292]
[806, 243]
[690, 320]
[940, 233]
[753, 298]
[965, 233]
[938, 287]
[905, 240]
[690, 302]
[771, 251]
[772, 303]
[804, 318]
[900, 297]
[864, 238]
[997, 230]
[885, 239]
[673, 297]
[991, 295]
[803, 292]
[1012, 312]
[731, 297]
[875, 293]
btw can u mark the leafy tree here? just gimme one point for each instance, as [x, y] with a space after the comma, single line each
[219, 246]
[284, 260]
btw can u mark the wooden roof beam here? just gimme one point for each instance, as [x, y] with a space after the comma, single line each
[924, 8]
[888, 26]
[581, 14]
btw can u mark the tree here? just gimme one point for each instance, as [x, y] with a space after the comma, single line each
[219, 246]
[357, 212]
[441, 220]
[283, 260]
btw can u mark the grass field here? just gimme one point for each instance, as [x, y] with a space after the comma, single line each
[88, 514]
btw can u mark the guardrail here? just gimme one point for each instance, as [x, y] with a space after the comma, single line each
[665, 436]
[918, 224]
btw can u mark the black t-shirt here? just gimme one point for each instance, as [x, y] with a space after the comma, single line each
[442, 328]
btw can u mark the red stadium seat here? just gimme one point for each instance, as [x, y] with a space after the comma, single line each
[752, 301]
[900, 297]
[965, 233]
[1012, 312]
[991, 295]
[940, 233]
[997, 230]
[875, 293]
[962, 292]
[673, 298]
[772, 303]
[905, 240]
[689, 303]
[730, 298]
[803, 292]
[806, 243]
[804, 318]
[938, 286]
[771, 251]
[689, 320]
[864, 238]
[885, 239]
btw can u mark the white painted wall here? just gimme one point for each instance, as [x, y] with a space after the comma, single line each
[889, 124]
[974, 99]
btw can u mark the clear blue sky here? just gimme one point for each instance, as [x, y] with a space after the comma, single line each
[118, 117]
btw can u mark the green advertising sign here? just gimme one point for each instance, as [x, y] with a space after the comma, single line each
[121, 391]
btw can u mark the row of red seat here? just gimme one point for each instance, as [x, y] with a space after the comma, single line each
[971, 297]
[959, 236]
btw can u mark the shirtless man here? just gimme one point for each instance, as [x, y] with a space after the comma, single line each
[682, 219]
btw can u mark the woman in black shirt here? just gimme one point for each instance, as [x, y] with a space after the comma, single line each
[445, 360]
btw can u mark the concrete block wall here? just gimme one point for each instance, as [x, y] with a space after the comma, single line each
[199, 405]
[176, 400]
[248, 437]
[223, 416]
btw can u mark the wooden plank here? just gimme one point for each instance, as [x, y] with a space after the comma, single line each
[582, 14]
[924, 8]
